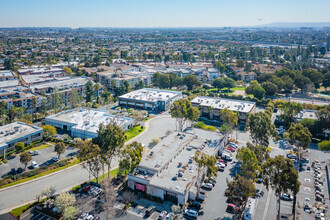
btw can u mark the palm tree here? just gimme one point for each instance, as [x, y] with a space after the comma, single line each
[97, 86]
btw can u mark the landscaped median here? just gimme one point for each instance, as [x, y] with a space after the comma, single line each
[42, 171]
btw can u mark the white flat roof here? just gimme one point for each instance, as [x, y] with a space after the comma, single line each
[221, 103]
[66, 83]
[16, 130]
[151, 95]
[88, 119]
[184, 148]
[5, 73]
[40, 78]
[9, 83]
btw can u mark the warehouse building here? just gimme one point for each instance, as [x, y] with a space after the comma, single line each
[210, 107]
[168, 170]
[84, 123]
[15, 132]
[149, 99]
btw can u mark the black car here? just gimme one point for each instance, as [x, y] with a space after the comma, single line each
[195, 204]
[13, 171]
[20, 170]
[150, 210]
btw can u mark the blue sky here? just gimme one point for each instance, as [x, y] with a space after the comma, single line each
[159, 13]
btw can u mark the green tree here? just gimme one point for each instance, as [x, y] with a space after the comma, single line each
[191, 81]
[240, 63]
[229, 83]
[131, 157]
[179, 111]
[218, 83]
[207, 162]
[97, 86]
[300, 137]
[110, 139]
[59, 149]
[49, 131]
[91, 157]
[270, 88]
[289, 110]
[89, 91]
[324, 145]
[240, 189]
[25, 158]
[221, 67]
[326, 80]
[249, 163]
[19, 146]
[261, 128]
[255, 89]
[12, 112]
[69, 213]
[323, 118]
[192, 114]
[67, 70]
[280, 175]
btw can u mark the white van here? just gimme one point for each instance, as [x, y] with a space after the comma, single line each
[226, 157]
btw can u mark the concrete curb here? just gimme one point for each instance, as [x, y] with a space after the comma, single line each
[39, 178]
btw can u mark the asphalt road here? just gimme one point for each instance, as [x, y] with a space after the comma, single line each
[44, 158]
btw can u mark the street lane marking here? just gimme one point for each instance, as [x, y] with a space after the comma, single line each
[267, 204]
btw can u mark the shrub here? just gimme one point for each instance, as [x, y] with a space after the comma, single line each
[210, 128]
[19, 146]
[32, 173]
[61, 163]
[199, 124]
[5, 160]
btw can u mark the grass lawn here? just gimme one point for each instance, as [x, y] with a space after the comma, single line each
[43, 146]
[18, 211]
[74, 162]
[133, 132]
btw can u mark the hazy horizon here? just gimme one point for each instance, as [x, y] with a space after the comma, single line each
[153, 14]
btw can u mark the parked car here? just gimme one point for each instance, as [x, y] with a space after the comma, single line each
[195, 204]
[232, 149]
[35, 152]
[97, 191]
[191, 214]
[13, 171]
[162, 215]
[55, 159]
[221, 167]
[20, 170]
[34, 165]
[231, 208]
[83, 216]
[291, 156]
[170, 216]
[226, 157]
[150, 210]
[233, 144]
[208, 186]
[286, 197]
[259, 180]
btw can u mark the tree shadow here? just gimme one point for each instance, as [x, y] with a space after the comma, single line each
[234, 170]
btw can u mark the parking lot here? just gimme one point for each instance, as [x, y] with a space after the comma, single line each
[44, 158]
[313, 197]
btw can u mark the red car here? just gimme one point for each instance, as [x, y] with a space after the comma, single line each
[231, 149]
[87, 188]
[231, 208]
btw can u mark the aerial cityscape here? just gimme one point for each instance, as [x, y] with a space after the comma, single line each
[209, 110]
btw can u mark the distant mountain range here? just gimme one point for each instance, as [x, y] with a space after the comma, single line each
[297, 24]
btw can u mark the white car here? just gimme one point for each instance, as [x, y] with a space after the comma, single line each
[34, 165]
[233, 144]
[207, 186]
[97, 191]
[191, 213]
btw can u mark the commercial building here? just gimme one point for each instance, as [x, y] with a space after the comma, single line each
[15, 132]
[149, 99]
[7, 75]
[210, 107]
[168, 170]
[84, 123]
